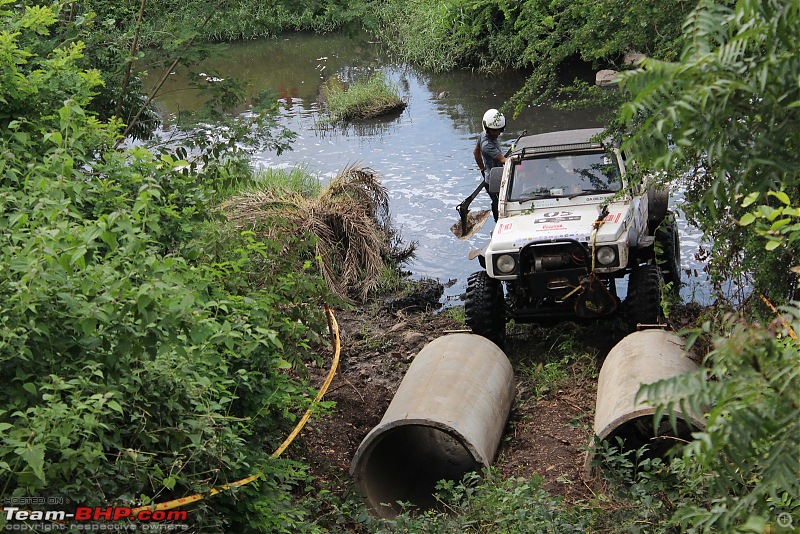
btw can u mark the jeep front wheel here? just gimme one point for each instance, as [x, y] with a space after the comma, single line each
[484, 307]
[643, 303]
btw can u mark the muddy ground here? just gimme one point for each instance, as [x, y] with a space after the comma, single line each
[551, 420]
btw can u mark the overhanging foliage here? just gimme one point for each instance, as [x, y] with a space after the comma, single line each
[724, 122]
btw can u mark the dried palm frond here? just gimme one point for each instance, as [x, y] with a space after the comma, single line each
[349, 219]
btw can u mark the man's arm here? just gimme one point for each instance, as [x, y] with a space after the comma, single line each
[478, 157]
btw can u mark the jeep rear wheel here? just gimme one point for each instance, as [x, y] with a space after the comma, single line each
[657, 206]
[484, 307]
[643, 303]
[669, 257]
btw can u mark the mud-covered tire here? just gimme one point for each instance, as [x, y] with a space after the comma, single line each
[484, 307]
[643, 303]
[669, 256]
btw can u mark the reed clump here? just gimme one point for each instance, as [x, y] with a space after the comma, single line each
[363, 99]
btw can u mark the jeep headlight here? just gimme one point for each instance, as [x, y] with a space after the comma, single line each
[506, 263]
[606, 256]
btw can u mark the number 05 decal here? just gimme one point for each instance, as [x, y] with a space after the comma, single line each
[557, 216]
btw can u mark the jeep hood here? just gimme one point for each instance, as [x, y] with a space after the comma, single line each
[560, 222]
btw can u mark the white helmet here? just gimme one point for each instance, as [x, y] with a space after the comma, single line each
[494, 119]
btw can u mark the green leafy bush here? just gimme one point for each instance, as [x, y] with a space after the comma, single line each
[448, 34]
[723, 123]
[636, 502]
[741, 471]
[139, 362]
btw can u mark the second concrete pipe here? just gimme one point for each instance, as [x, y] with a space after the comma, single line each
[445, 420]
[642, 358]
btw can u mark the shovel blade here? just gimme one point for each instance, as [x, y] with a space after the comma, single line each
[475, 221]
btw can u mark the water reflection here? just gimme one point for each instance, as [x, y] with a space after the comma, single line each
[424, 154]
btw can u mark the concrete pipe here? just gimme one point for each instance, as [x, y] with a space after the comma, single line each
[445, 420]
[641, 358]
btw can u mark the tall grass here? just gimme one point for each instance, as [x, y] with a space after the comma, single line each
[422, 33]
[288, 180]
[245, 19]
[365, 98]
[237, 176]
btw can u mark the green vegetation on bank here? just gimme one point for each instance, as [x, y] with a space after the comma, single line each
[724, 124]
[149, 350]
[543, 36]
[225, 20]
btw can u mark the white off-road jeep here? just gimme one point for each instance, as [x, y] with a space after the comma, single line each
[570, 224]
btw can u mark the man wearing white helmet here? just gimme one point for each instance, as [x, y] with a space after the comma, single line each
[488, 153]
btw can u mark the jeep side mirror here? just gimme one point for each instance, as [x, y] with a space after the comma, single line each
[495, 176]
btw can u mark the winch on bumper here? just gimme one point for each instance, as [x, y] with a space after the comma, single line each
[552, 272]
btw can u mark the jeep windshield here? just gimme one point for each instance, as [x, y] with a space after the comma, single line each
[565, 175]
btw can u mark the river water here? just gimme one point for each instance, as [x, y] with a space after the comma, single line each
[424, 154]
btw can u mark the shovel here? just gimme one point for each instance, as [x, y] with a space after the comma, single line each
[469, 223]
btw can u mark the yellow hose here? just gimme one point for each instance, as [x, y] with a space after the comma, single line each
[333, 330]
[784, 323]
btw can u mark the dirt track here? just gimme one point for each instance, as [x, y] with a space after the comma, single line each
[547, 431]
